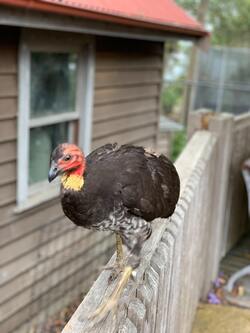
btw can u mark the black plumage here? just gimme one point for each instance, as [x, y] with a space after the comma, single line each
[125, 188]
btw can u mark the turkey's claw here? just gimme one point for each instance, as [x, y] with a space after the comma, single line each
[115, 269]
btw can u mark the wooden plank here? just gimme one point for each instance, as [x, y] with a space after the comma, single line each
[54, 277]
[147, 143]
[125, 78]
[14, 268]
[114, 61]
[78, 280]
[8, 85]
[85, 285]
[8, 128]
[8, 169]
[8, 152]
[23, 245]
[56, 306]
[126, 137]
[7, 193]
[108, 128]
[30, 221]
[112, 95]
[8, 59]
[35, 323]
[222, 126]
[111, 111]
[8, 106]
[7, 215]
[45, 266]
[242, 121]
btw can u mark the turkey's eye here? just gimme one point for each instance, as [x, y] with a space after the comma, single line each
[67, 158]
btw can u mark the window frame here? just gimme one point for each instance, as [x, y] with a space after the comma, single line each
[40, 41]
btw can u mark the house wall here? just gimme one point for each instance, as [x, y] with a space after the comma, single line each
[127, 90]
[45, 261]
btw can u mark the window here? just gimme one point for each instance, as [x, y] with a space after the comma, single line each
[52, 96]
[55, 106]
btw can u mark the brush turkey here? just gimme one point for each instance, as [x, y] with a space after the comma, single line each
[116, 188]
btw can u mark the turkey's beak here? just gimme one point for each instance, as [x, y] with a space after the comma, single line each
[53, 172]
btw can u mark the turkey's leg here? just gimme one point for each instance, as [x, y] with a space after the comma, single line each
[127, 271]
[118, 267]
[134, 240]
[119, 251]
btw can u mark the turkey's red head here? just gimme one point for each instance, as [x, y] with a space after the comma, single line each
[66, 159]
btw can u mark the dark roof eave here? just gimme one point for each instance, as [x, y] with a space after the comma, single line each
[184, 31]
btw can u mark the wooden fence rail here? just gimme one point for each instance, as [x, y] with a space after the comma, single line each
[182, 256]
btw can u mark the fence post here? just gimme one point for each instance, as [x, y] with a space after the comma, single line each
[221, 124]
[198, 120]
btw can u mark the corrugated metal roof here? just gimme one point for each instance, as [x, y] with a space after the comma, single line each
[154, 11]
[156, 14]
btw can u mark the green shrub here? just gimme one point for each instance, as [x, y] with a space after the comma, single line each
[171, 96]
[178, 143]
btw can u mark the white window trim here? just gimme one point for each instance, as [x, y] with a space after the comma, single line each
[84, 106]
[53, 119]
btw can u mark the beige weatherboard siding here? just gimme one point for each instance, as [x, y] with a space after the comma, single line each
[127, 91]
[45, 261]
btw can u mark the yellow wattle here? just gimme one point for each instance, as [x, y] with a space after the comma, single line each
[72, 182]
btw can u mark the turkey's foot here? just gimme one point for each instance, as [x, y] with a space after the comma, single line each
[115, 269]
[111, 303]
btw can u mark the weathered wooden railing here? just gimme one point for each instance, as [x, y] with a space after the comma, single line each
[182, 256]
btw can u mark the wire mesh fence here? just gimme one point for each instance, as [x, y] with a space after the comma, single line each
[221, 83]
